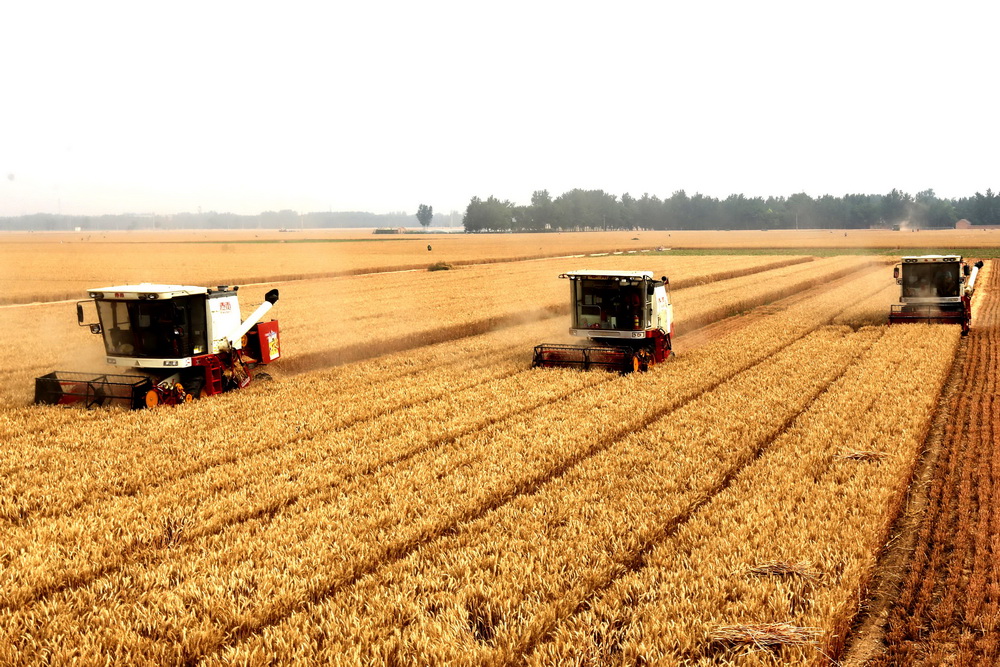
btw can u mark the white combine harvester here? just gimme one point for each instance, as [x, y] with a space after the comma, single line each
[936, 289]
[626, 314]
[180, 341]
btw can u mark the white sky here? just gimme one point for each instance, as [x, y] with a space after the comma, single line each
[112, 107]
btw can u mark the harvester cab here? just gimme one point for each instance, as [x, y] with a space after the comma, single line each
[626, 316]
[179, 341]
[936, 289]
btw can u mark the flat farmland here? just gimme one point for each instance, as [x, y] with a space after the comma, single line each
[410, 491]
[46, 266]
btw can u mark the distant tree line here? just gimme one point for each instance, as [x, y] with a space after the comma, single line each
[596, 209]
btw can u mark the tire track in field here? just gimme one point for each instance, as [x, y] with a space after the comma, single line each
[867, 635]
[523, 487]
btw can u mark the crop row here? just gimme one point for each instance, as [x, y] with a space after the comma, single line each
[50, 473]
[873, 311]
[793, 542]
[490, 591]
[206, 592]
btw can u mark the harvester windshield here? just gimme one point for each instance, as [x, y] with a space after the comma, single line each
[615, 304]
[937, 279]
[168, 329]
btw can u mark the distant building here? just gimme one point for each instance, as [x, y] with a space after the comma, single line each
[965, 224]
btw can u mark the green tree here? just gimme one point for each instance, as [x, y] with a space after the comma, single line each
[491, 215]
[799, 209]
[425, 214]
[895, 206]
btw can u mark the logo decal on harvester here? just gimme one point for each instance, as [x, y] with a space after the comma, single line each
[225, 306]
[272, 345]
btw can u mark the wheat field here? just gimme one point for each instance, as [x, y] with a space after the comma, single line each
[410, 491]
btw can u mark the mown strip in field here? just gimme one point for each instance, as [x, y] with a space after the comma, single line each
[948, 608]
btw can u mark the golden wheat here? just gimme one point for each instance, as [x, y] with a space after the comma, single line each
[801, 502]
[169, 583]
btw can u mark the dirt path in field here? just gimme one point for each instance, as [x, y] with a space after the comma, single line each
[935, 594]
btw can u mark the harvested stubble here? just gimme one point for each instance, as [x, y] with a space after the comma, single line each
[798, 502]
[764, 636]
[29, 262]
[863, 456]
[948, 608]
[208, 591]
[780, 568]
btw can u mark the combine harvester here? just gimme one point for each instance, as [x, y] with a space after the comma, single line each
[626, 314]
[180, 341]
[936, 289]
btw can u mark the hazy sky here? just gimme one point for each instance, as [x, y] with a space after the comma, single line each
[112, 107]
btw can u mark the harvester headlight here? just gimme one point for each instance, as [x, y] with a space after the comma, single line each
[151, 296]
[94, 295]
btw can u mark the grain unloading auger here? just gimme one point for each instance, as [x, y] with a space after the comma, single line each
[936, 289]
[626, 315]
[180, 341]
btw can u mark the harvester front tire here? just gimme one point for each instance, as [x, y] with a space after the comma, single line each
[641, 360]
[262, 377]
[152, 399]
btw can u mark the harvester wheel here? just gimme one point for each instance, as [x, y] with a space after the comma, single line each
[188, 398]
[641, 360]
[152, 398]
[262, 377]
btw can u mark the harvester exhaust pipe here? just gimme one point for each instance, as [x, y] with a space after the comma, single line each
[269, 300]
